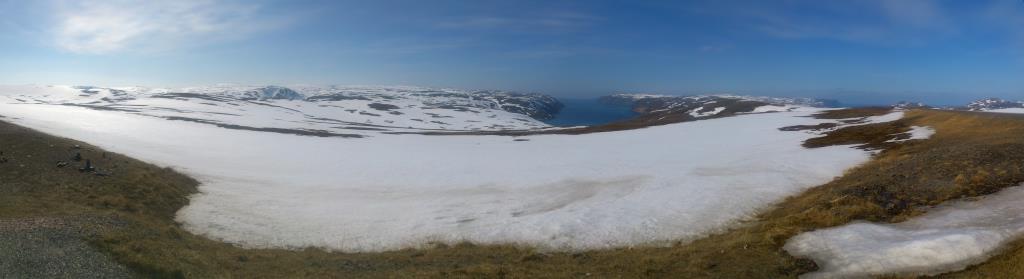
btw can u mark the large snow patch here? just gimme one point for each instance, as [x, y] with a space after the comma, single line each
[639, 187]
[1007, 110]
[946, 239]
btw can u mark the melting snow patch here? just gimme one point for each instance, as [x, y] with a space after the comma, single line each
[1007, 110]
[948, 238]
[618, 189]
[696, 112]
[917, 133]
[888, 117]
[774, 108]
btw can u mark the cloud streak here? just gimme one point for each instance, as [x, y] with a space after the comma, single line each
[871, 22]
[113, 26]
[559, 22]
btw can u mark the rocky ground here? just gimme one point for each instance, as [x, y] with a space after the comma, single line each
[55, 247]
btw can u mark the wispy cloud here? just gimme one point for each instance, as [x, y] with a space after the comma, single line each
[108, 26]
[876, 22]
[559, 22]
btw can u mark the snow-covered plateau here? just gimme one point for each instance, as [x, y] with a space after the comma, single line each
[342, 111]
[260, 188]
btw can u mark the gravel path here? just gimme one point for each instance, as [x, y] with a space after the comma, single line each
[53, 248]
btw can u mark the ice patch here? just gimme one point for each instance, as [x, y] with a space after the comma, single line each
[949, 238]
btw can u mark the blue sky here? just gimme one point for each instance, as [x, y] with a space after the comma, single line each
[858, 51]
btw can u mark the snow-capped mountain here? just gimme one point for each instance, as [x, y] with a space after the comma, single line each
[993, 104]
[310, 110]
[664, 108]
[630, 98]
[909, 105]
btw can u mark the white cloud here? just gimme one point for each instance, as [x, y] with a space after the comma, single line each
[107, 26]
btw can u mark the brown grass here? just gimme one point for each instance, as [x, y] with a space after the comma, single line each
[852, 113]
[972, 154]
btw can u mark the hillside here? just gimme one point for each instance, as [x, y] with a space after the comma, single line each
[969, 154]
[272, 190]
[148, 216]
[329, 111]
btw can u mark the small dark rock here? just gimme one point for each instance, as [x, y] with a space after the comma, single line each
[88, 167]
[380, 106]
[800, 266]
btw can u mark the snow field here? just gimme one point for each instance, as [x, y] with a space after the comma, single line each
[641, 187]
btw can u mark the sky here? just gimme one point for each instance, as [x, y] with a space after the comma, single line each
[857, 51]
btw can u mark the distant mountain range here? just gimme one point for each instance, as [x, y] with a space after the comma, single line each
[808, 102]
[662, 109]
[357, 111]
[349, 111]
[986, 104]
[993, 104]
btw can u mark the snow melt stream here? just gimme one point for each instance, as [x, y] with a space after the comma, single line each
[616, 189]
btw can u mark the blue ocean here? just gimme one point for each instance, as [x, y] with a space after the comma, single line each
[589, 112]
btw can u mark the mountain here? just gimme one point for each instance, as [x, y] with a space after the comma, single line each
[993, 104]
[707, 106]
[272, 93]
[627, 98]
[310, 110]
[537, 106]
[909, 105]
